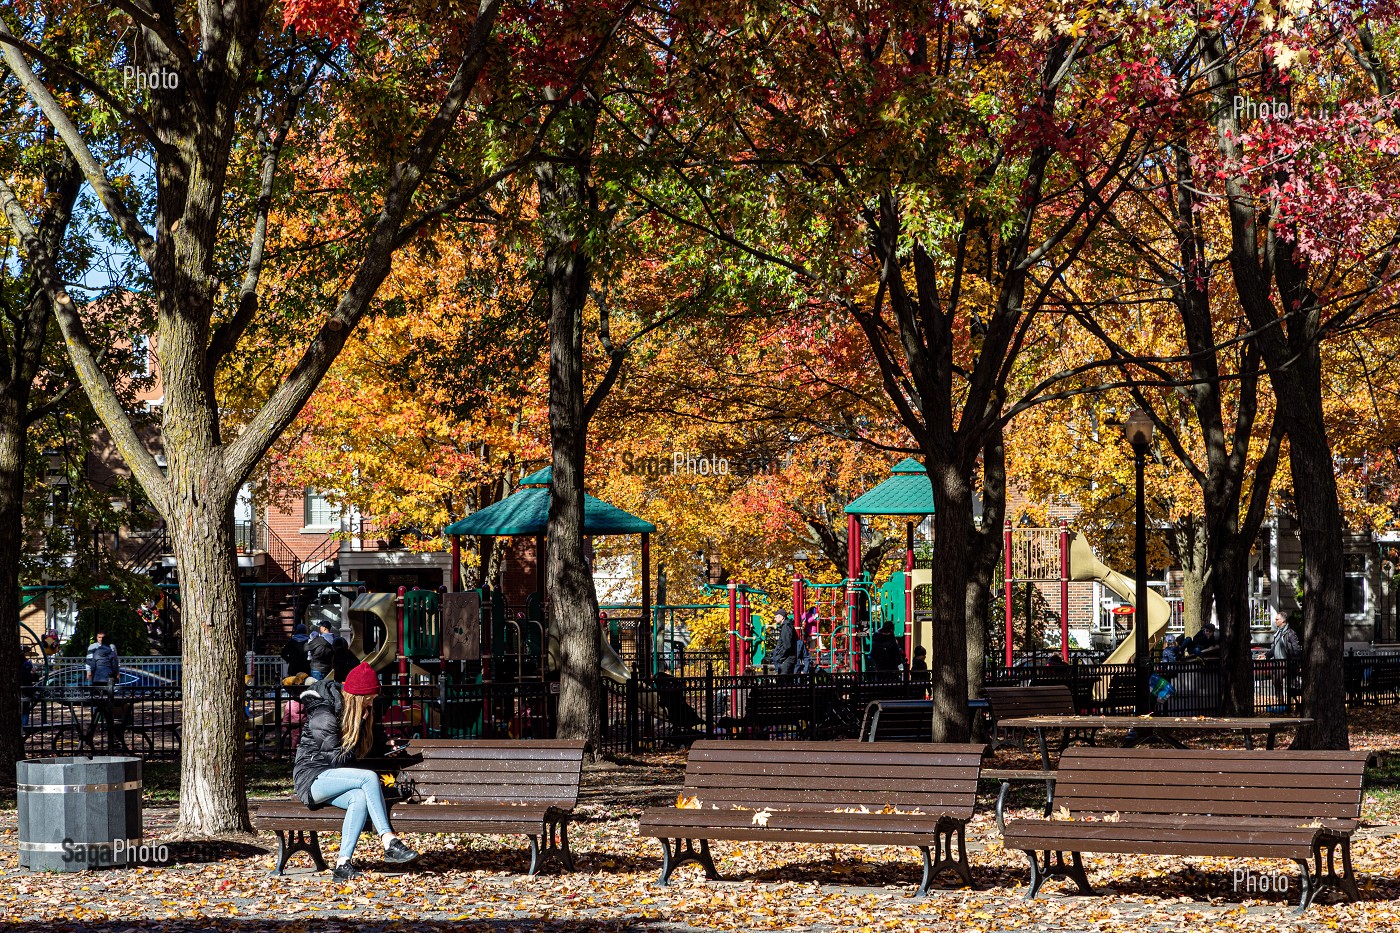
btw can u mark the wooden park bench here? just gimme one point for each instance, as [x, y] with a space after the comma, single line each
[919, 795]
[1018, 702]
[526, 788]
[786, 707]
[1221, 803]
[897, 721]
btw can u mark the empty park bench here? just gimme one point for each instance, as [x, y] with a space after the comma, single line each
[912, 721]
[897, 721]
[526, 788]
[780, 708]
[919, 795]
[1220, 803]
[1019, 702]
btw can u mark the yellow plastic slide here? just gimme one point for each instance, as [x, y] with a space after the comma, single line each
[1084, 566]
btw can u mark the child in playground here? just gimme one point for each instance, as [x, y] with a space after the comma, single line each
[810, 630]
[920, 664]
[339, 729]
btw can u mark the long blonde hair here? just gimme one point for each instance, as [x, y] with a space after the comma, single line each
[357, 723]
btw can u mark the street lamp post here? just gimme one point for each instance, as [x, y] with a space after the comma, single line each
[1138, 431]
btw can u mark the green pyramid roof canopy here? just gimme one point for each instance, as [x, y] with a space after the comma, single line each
[907, 492]
[538, 478]
[526, 512]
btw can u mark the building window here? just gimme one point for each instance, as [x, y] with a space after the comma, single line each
[1354, 590]
[141, 354]
[319, 511]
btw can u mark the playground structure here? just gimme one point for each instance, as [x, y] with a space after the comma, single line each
[473, 636]
[1037, 558]
[839, 619]
[1084, 565]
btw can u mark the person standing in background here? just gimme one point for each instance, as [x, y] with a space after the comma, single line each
[785, 653]
[103, 662]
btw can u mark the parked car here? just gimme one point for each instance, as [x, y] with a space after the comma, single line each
[129, 677]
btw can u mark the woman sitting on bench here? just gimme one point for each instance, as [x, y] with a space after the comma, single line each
[338, 729]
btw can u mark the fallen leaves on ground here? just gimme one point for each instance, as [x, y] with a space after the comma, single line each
[473, 883]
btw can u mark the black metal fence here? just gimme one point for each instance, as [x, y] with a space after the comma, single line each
[651, 713]
[1189, 688]
[671, 711]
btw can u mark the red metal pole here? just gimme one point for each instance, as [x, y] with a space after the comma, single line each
[646, 601]
[1064, 590]
[745, 633]
[456, 580]
[733, 628]
[403, 658]
[852, 575]
[798, 607]
[1006, 574]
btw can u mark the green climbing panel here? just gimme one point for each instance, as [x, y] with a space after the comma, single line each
[422, 624]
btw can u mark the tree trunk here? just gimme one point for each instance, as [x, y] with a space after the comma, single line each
[565, 206]
[1229, 576]
[13, 432]
[1320, 520]
[955, 538]
[988, 559]
[213, 799]
[573, 600]
[1193, 555]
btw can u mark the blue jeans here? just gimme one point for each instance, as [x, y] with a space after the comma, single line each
[359, 793]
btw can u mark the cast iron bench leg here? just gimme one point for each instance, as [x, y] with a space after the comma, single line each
[534, 855]
[1346, 881]
[556, 843]
[945, 859]
[1309, 891]
[671, 860]
[565, 855]
[292, 841]
[1055, 865]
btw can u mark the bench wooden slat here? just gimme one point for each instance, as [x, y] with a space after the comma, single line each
[1016, 774]
[503, 748]
[949, 769]
[1146, 797]
[1196, 775]
[831, 783]
[955, 767]
[803, 818]
[1088, 754]
[487, 796]
[562, 766]
[827, 799]
[832, 754]
[487, 778]
[1308, 770]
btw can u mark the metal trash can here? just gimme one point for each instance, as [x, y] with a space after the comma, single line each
[77, 813]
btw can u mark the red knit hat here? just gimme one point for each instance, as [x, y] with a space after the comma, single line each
[362, 681]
